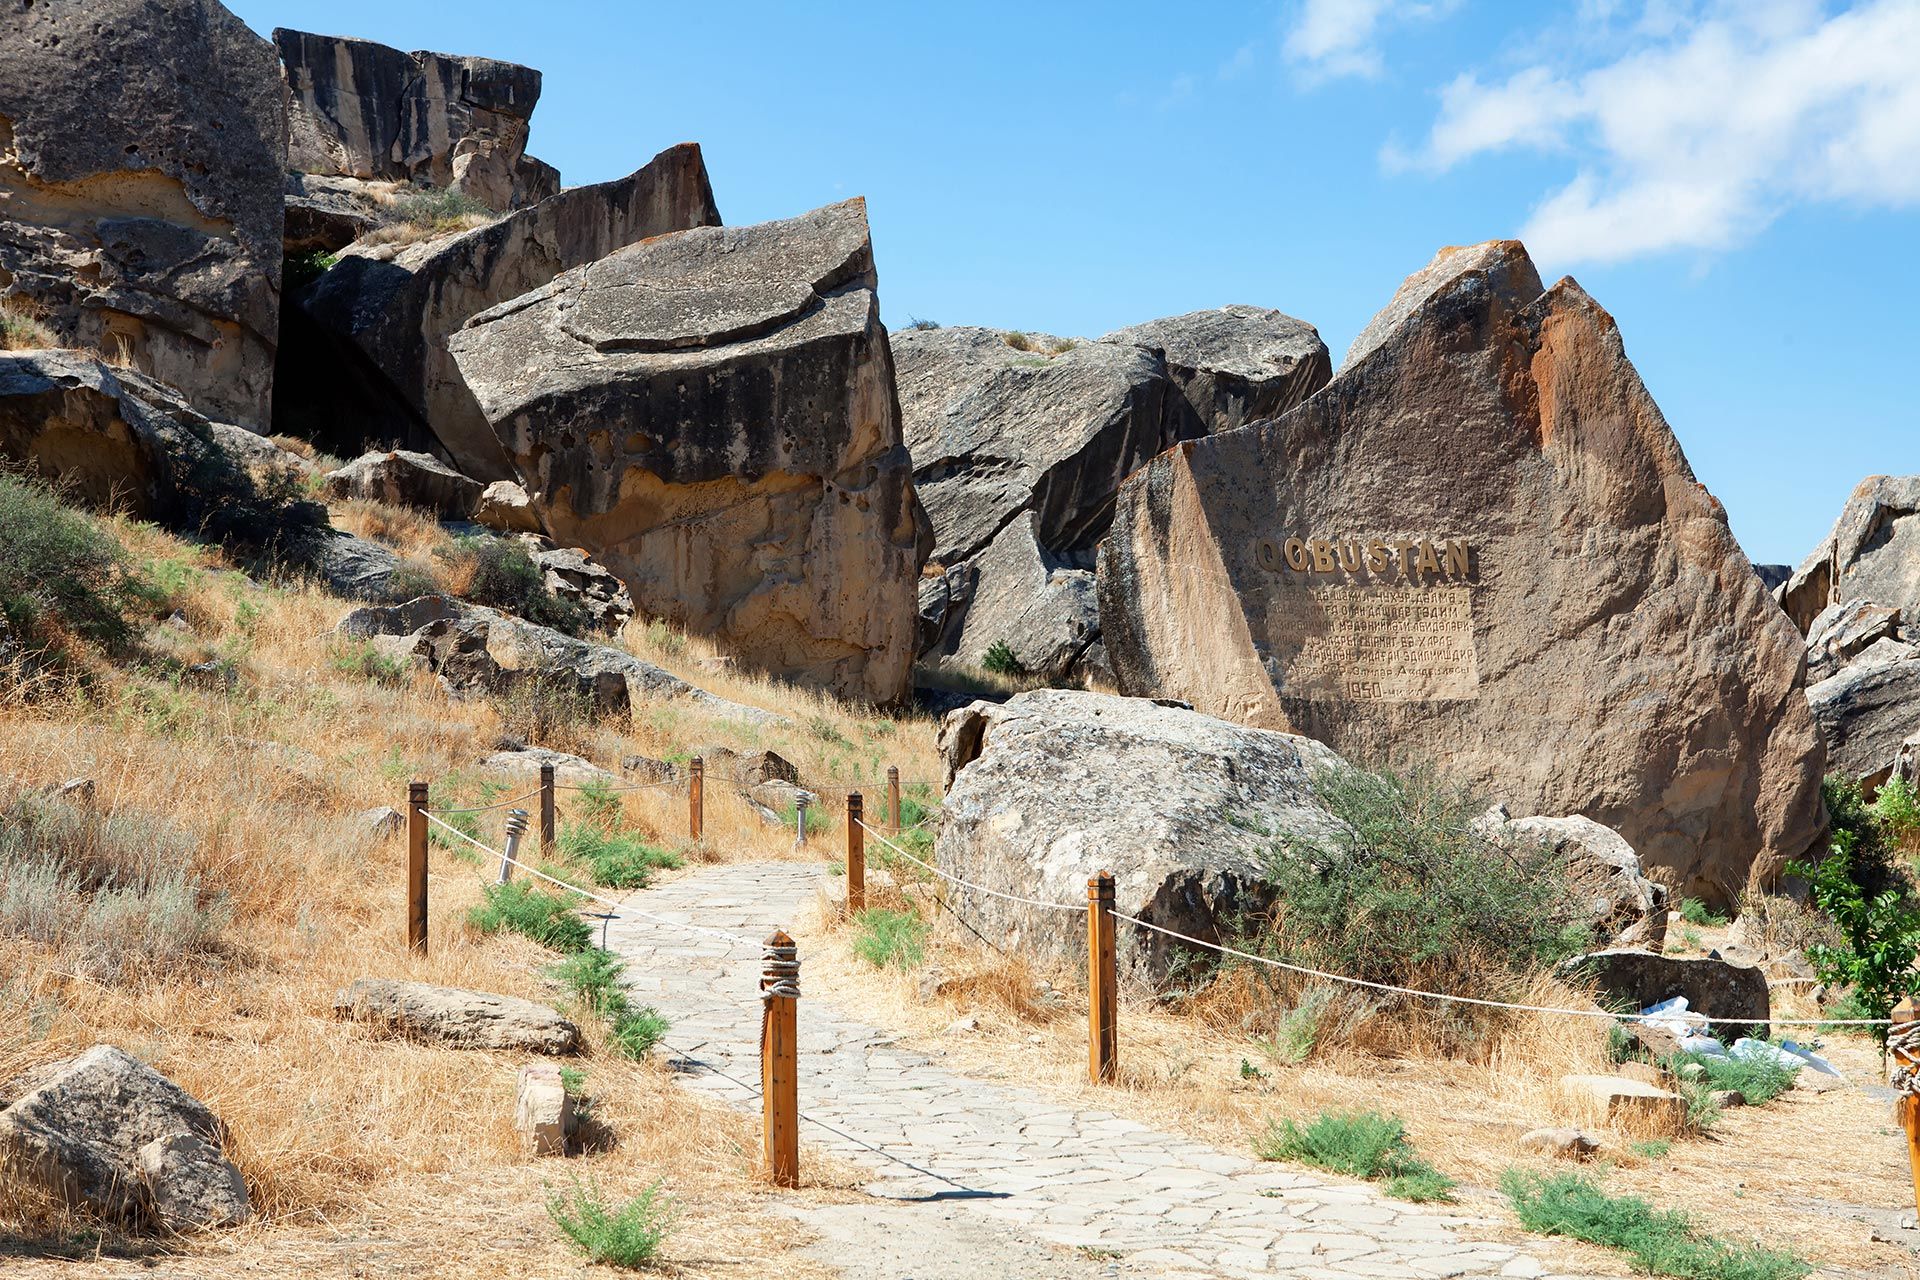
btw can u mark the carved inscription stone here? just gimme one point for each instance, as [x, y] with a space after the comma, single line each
[1480, 550]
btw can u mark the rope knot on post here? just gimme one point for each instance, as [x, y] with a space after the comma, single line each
[780, 975]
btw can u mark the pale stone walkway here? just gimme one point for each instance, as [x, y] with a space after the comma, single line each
[1042, 1168]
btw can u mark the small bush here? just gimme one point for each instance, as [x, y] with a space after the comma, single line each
[1694, 911]
[1650, 1148]
[524, 908]
[593, 977]
[435, 209]
[1896, 811]
[499, 573]
[1661, 1242]
[359, 658]
[890, 939]
[298, 270]
[917, 323]
[1758, 1080]
[629, 1235]
[1299, 1027]
[59, 570]
[614, 860]
[999, 659]
[1360, 1144]
[550, 708]
[20, 326]
[1017, 340]
[1411, 892]
[637, 1032]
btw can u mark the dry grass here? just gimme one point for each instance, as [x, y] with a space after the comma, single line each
[1205, 1068]
[365, 1154]
[20, 326]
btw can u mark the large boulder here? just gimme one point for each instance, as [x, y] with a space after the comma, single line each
[477, 651]
[712, 415]
[108, 1131]
[141, 150]
[1842, 631]
[1611, 891]
[385, 312]
[1020, 442]
[1235, 364]
[1481, 547]
[461, 1018]
[1871, 553]
[1732, 997]
[404, 478]
[1868, 709]
[1054, 786]
[363, 110]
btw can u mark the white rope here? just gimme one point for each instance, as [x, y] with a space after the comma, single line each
[1476, 1000]
[611, 786]
[500, 804]
[732, 938]
[968, 884]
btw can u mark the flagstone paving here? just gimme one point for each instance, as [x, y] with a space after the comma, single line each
[1043, 1169]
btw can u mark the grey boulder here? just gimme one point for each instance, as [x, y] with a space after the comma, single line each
[461, 1018]
[1235, 364]
[107, 1131]
[1867, 711]
[1733, 998]
[1842, 630]
[1054, 786]
[1611, 890]
[1871, 553]
[404, 478]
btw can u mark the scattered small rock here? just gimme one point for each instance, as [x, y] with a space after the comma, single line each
[1727, 1098]
[1609, 1098]
[543, 1110]
[383, 823]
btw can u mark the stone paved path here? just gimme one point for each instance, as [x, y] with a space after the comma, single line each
[1039, 1166]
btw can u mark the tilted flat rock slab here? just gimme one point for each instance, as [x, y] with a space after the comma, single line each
[1868, 709]
[1871, 553]
[1481, 547]
[711, 414]
[465, 1019]
[144, 149]
[1052, 1168]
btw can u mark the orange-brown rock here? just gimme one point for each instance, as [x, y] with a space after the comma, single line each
[1481, 547]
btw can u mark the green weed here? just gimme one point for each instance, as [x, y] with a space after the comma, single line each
[1360, 1144]
[524, 908]
[1694, 911]
[627, 1235]
[890, 939]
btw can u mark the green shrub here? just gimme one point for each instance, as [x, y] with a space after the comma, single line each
[593, 976]
[524, 908]
[298, 270]
[499, 573]
[360, 658]
[1661, 1242]
[1758, 1080]
[59, 570]
[614, 860]
[1694, 911]
[21, 328]
[437, 209]
[629, 1235]
[1360, 1144]
[1299, 1027]
[885, 938]
[999, 659]
[1017, 340]
[1411, 892]
[1650, 1148]
[636, 1032]
[1871, 900]
[1896, 811]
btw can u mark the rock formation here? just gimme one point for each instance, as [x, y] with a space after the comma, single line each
[1868, 711]
[384, 312]
[1054, 786]
[1872, 553]
[1611, 891]
[108, 1131]
[363, 110]
[403, 478]
[454, 1016]
[1481, 547]
[712, 415]
[1020, 442]
[141, 150]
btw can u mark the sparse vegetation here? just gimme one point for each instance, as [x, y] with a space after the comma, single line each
[1000, 660]
[625, 1235]
[358, 657]
[524, 908]
[615, 859]
[20, 326]
[888, 938]
[437, 210]
[299, 270]
[1758, 1080]
[499, 573]
[549, 708]
[1661, 1242]
[1017, 340]
[61, 573]
[1694, 911]
[593, 977]
[1360, 1144]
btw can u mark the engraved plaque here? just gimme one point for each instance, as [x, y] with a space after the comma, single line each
[1375, 644]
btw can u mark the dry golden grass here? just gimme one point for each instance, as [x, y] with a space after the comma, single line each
[364, 1154]
[1785, 1171]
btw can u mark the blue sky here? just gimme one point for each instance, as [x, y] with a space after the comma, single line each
[1738, 182]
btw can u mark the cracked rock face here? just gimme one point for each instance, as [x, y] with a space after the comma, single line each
[1020, 442]
[711, 414]
[1872, 554]
[141, 153]
[1481, 547]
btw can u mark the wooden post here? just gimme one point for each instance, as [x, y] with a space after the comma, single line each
[546, 811]
[893, 799]
[1905, 1061]
[779, 1067]
[856, 856]
[417, 867]
[1103, 1041]
[696, 799]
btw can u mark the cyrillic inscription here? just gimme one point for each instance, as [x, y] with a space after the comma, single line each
[1377, 644]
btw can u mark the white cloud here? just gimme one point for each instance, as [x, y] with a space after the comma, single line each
[1710, 124]
[1332, 38]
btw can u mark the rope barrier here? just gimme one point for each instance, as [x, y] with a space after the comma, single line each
[622, 786]
[730, 938]
[1342, 978]
[499, 804]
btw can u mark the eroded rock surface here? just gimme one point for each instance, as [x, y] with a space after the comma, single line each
[1611, 891]
[404, 478]
[711, 414]
[363, 110]
[141, 150]
[108, 1131]
[1868, 710]
[464, 1019]
[389, 309]
[1481, 547]
[1734, 998]
[1055, 786]
[1871, 553]
[1235, 364]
